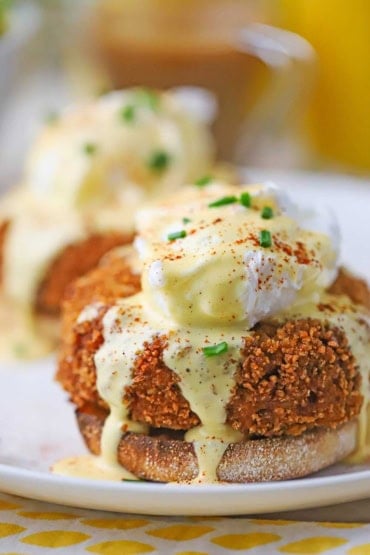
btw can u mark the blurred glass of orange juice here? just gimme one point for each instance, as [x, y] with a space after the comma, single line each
[339, 117]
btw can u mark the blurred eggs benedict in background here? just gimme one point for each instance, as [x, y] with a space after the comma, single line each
[86, 174]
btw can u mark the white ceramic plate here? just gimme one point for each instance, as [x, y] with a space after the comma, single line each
[37, 423]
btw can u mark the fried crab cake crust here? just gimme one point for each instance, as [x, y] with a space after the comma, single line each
[76, 370]
[293, 376]
[75, 261]
[3, 230]
[355, 288]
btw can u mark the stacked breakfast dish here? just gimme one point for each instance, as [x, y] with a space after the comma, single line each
[86, 174]
[223, 347]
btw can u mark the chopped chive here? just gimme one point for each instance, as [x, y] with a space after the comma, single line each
[89, 148]
[203, 181]
[159, 160]
[128, 113]
[267, 213]
[148, 98]
[51, 118]
[265, 238]
[186, 220]
[19, 350]
[246, 199]
[223, 201]
[176, 235]
[215, 349]
[102, 91]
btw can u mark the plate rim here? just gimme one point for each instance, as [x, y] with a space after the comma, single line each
[182, 499]
[307, 481]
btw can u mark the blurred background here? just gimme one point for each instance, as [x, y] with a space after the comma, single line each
[286, 82]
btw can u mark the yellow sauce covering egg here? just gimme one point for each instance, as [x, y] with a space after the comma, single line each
[218, 273]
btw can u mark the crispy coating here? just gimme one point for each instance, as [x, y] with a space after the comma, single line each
[355, 288]
[76, 370]
[104, 284]
[154, 396]
[294, 376]
[3, 229]
[75, 261]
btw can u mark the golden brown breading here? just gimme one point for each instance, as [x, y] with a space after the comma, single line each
[80, 341]
[154, 396]
[295, 376]
[75, 261]
[3, 229]
[355, 288]
[103, 284]
[76, 369]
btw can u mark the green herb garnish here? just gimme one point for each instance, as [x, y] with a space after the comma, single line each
[267, 213]
[159, 160]
[5, 6]
[127, 113]
[223, 201]
[186, 220]
[19, 350]
[102, 91]
[214, 350]
[246, 199]
[148, 98]
[203, 181]
[265, 238]
[90, 148]
[176, 235]
[51, 118]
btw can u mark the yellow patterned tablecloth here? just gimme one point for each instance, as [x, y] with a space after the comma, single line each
[33, 528]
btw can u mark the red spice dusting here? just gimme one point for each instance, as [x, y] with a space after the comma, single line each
[323, 307]
[301, 253]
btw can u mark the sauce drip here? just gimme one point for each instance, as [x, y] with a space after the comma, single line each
[93, 468]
